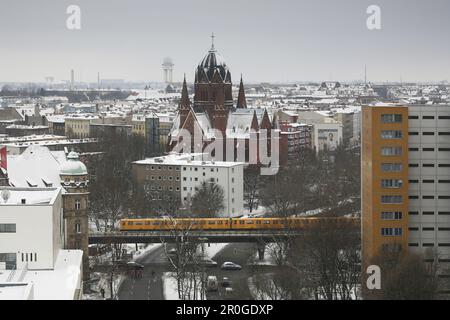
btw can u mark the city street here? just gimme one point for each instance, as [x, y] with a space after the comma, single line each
[150, 287]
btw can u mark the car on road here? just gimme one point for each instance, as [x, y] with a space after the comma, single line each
[230, 266]
[226, 282]
[207, 262]
[228, 293]
[172, 252]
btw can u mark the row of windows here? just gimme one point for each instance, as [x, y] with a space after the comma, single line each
[392, 199]
[391, 215]
[391, 151]
[429, 117]
[391, 118]
[391, 134]
[430, 197]
[429, 213]
[429, 149]
[170, 178]
[428, 229]
[161, 168]
[31, 257]
[391, 231]
[429, 165]
[429, 181]
[7, 228]
[391, 183]
[391, 167]
[147, 187]
[429, 245]
[429, 133]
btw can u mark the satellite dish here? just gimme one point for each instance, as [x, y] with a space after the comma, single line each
[5, 195]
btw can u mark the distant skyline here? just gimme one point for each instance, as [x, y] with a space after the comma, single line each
[266, 41]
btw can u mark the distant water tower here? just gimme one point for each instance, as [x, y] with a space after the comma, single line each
[167, 68]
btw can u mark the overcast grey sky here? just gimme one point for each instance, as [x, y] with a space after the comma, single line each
[265, 40]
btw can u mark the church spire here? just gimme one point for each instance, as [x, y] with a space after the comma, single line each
[185, 105]
[184, 101]
[241, 102]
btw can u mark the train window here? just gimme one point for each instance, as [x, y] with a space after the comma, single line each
[156, 223]
[138, 223]
[275, 222]
[219, 222]
[130, 223]
[235, 222]
[147, 223]
[266, 222]
[241, 222]
[249, 222]
[258, 222]
[211, 222]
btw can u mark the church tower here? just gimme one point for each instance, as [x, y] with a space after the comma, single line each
[213, 87]
[75, 180]
[185, 105]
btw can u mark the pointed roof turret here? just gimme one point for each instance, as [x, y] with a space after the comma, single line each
[241, 102]
[184, 101]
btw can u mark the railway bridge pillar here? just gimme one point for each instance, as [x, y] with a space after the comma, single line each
[261, 247]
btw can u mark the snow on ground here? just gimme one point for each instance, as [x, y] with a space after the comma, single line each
[268, 259]
[170, 289]
[104, 282]
[213, 248]
[255, 213]
[143, 249]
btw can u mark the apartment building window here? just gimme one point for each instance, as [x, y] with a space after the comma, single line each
[77, 204]
[413, 165]
[428, 133]
[77, 227]
[177, 179]
[391, 167]
[391, 183]
[391, 134]
[428, 149]
[391, 199]
[444, 165]
[7, 228]
[444, 133]
[391, 215]
[444, 149]
[414, 133]
[391, 231]
[428, 165]
[391, 118]
[413, 117]
[391, 151]
[428, 117]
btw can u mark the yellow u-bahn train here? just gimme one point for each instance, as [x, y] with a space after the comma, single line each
[224, 223]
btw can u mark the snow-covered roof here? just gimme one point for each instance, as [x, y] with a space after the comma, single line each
[61, 283]
[35, 164]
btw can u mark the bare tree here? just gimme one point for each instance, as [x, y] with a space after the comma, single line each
[208, 200]
[406, 276]
[186, 260]
[251, 188]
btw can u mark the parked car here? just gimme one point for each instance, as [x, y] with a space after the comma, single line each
[212, 284]
[230, 266]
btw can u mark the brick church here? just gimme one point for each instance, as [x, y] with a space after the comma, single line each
[214, 110]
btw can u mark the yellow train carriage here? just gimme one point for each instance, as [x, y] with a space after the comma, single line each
[216, 223]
